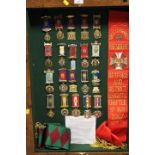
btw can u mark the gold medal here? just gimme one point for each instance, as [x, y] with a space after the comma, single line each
[63, 88]
[49, 89]
[71, 35]
[64, 112]
[97, 113]
[61, 61]
[95, 62]
[73, 88]
[84, 35]
[76, 112]
[60, 35]
[97, 34]
[85, 89]
[50, 114]
[85, 63]
[87, 113]
[96, 90]
[48, 63]
[47, 36]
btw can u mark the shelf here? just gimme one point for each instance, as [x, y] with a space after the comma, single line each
[87, 3]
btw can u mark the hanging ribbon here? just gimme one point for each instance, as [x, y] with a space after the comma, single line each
[115, 128]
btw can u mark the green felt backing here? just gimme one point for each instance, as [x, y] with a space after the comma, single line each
[36, 56]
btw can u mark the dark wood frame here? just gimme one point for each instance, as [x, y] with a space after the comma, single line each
[29, 123]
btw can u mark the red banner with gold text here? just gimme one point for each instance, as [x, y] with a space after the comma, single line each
[118, 73]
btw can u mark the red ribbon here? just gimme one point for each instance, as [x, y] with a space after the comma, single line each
[115, 129]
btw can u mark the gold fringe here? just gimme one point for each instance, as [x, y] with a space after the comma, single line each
[106, 145]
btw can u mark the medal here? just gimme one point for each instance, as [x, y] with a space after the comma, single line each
[64, 100]
[97, 113]
[60, 35]
[61, 49]
[84, 76]
[61, 61]
[50, 105]
[97, 26]
[48, 63]
[84, 27]
[76, 112]
[95, 90]
[64, 112]
[59, 27]
[97, 34]
[72, 51]
[75, 100]
[87, 113]
[85, 63]
[48, 49]
[63, 88]
[97, 101]
[118, 61]
[47, 37]
[50, 114]
[72, 76]
[87, 101]
[95, 77]
[73, 88]
[95, 62]
[49, 76]
[62, 75]
[73, 64]
[84, 35]
[95, 49]
[84, 50]
[85, 89]
[71, 35]
[46, 23]
[49, 89]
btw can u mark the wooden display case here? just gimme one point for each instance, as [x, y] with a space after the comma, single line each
[38, 7]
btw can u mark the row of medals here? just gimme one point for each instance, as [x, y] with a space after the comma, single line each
[71, 35]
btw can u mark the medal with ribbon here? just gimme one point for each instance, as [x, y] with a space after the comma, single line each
[84, 27]
[63, 75]
[46, 27]
[49, 76]
[95, 77]
[62, 51]
[71, 35]
[84, 51]
[97, 26]
[72, 51]
[64, 104]
[75, 105]
[62, 54]
[84, 76]
[48, 49]
[73, 64]
[59, 27]
[97, 101]
[50, 105]
[72, 76]
[87, 101]
[96, 49]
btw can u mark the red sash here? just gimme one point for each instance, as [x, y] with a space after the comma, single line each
[115, 129]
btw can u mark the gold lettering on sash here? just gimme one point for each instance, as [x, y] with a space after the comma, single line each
[118, 89]
[119, 47]
[118, 95]
[114, 102]
[123, 75]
